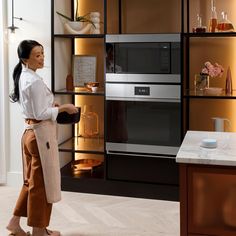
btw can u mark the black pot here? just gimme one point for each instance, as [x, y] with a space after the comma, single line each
[66, 118]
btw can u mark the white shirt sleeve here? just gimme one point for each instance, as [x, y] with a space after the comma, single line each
[41, 104]
[55, 111]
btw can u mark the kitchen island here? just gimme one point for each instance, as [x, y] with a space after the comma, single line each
[207, 184]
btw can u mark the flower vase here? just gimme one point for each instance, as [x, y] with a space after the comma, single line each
[201, 82]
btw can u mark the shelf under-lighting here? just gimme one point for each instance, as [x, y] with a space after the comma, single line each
[203, 94]
[77, 91]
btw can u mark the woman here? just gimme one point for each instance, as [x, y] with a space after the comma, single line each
[40, 113]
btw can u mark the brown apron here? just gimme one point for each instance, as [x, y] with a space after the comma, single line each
[46, 137]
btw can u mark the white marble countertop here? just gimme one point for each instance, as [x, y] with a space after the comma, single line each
[192, 152]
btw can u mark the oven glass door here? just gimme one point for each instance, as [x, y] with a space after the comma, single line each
[146, 123]
[143, 58]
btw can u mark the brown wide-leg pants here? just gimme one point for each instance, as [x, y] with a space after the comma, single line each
[32, 202]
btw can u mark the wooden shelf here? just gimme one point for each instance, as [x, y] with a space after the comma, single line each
[83, 145]
[203, 94]
[78, 91]
[79, 36]
[210, 35]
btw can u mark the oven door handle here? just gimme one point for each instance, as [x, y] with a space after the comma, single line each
[138, 99]
[139, 154]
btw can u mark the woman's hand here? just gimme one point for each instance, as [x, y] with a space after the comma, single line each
[69, 108]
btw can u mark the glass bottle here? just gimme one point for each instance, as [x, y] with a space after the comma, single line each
[69, 83]
[199, 28]
[213, 19]
[90, 122]
[225, 25]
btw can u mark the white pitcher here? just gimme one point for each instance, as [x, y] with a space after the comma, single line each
[219, 123]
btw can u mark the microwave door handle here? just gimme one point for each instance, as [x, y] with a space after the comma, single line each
[138, 154]
[134, 99]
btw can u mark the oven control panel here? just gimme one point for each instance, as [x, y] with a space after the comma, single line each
[142, 91]
[129, 91]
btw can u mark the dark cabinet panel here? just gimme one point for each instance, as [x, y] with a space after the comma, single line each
[142, 169]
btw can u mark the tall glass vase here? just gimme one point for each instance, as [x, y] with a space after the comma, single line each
[90, 122]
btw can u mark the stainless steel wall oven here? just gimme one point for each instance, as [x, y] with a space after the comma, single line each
[143, 106]
[143, 118]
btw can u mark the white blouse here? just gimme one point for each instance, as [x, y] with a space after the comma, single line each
[36, 99]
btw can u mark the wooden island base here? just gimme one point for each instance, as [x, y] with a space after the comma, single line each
[207, 200]
[207, 184]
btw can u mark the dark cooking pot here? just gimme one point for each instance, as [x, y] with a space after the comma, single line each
[66, 118]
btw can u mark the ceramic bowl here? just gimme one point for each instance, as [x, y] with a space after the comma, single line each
[86, 164]
[75, 25]
[66, 118]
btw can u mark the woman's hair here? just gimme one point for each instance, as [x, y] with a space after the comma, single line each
[24, 49]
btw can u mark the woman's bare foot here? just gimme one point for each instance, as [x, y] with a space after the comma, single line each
[20, 234]
[44, 232]
[14, 227]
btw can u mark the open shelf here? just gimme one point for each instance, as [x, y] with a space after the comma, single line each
[211, 35]
[198, 48]
[80, 91]
[203, 94]
[83, 145]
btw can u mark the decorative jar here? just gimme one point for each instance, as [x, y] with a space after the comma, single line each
[90, 122]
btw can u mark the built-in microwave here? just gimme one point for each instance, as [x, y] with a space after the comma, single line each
[152, 58]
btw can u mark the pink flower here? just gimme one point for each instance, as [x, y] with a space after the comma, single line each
[212, 70]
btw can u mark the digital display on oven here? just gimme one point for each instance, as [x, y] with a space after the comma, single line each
[142, 91]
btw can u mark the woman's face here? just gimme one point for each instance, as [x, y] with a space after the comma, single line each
[36, 58]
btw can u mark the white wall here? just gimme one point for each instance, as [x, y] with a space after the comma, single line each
[4, 137]
[36, 25]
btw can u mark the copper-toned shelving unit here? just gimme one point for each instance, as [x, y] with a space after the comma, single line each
[77, 146]
[188, 39]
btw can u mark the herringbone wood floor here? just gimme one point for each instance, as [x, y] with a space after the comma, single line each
[80, 214]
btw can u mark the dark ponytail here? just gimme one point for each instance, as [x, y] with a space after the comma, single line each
[24, 49]
[16, 76]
